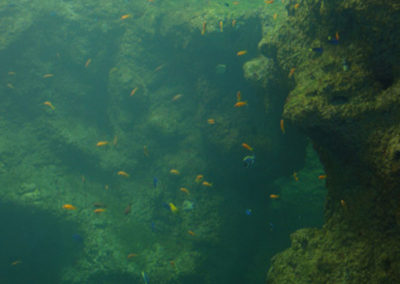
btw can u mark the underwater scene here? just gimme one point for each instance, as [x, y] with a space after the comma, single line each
[208, 141]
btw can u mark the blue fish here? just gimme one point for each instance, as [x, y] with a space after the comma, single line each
[153, 226]
[78, 238]
[333, 41]
[317, 49]
[249, 161]
[155, 182]
[271, 226]
[145, 278]
[248, 212]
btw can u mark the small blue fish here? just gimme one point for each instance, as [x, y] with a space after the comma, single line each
[78, 238]
[153, 227]
[248, 212]
[145, 278]
[249, 161]
[166, 206]
[155, 182]
[333, 41]
[271, 226]
[317, 49]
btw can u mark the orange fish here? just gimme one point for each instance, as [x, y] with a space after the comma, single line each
[240, 104]
[14, 263]
[159, 67]
[122, 173]
[102, 143]
[275, 16]
[174, 172]
[49, 104]
[199, 178]
[282, 125]
[296, 178]
[269, 1]
[145, 151]
[241, 52]
[185, 190]
[172, 263]
[88, 62]
[203, 29]
[211, 121]
[343, 203]
[291, 72]
[273, 196]
[69, 207]
[322, 177]
[126, 16]
[238, 96]
[191, 233]
[128, 209]
[206, 183]
[176, 97]
[235, 2]
[133, 91]
[131, 255]
[296, 6]
[99, 210]
[48, 75]
[337, 36]
[221, 26]
[233, 23]
[247, 146]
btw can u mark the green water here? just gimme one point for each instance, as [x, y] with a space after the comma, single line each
[49, 157]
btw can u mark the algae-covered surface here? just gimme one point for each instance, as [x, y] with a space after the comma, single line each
[180, 141]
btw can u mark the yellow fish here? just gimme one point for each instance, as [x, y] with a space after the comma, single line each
[240, 104]
[185, 190]
[274, 196]
[296, 178]
[122, 173]
[211, 121]
[221, 26]
[282, 125]
[206, 183]
[48, 75]
[88, 62]
[173, 208]
[99, 210]
[174, 172]
[126, 16]
[101, 143]
[49, 104]
[198, 178]
[69, 207]
[176, 97]
[241, 52]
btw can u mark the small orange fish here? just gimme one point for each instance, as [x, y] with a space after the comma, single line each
[238, 96]
[233, 23]
[322, 177]
[282, 125]
[126, 16]
[115, 140]
[296, 6]
[159, 67]
[48, 75]
[131, 255]
[128, 209]
[49, 104]
[235, 2]
[241, 52]
[198, 178]
[88, 62]
[240, 104]
[133, 91]
[296, 178]
[14, 263]
[101, 143]
[268, 1]
[206, 183]
[273, 196]
[203, 29]
[221, 26]
[211, 121]
[99, 210]
[172, 263]
[176, 97]
[122, 173]
[185, 190]
[69, 207]
[145, 151]
[343, 203]
[247, 146]
[190, 232]
[337, 36]
[275, 16]
[291, 72]
[174, 172]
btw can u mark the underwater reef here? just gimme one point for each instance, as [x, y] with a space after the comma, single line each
[339, 60]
